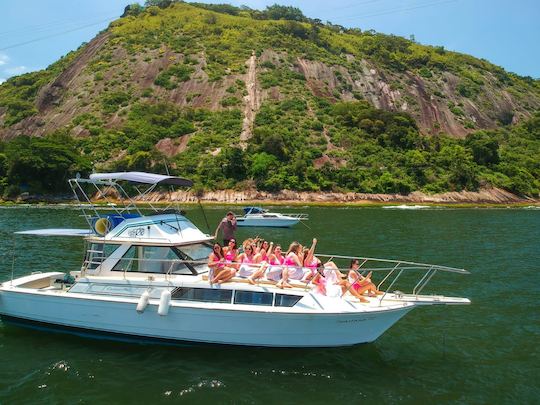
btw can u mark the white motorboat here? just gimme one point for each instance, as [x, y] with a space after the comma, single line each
[145, 278]
[257, 216]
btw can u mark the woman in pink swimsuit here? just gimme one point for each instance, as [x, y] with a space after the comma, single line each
[248, 264]
[310, 261]
[219, 273]
[262, 260]
[231, 252]
[292, 266]
[359, 283]
[275, 262]
[331, 284]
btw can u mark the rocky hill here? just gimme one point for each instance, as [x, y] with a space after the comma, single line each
[190, 83]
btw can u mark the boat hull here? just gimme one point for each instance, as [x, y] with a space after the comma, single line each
[119, 320]
[268, 222]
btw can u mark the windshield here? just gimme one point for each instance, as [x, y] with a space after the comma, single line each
[197, 252]
[152, 259]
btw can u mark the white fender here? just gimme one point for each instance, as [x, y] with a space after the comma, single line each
[143, 302]
[164, 303]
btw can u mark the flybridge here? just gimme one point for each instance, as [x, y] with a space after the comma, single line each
[121, 205]
[119, 215]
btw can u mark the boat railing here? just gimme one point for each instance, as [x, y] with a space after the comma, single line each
[301, 217]
[391, 270]
[394, 269]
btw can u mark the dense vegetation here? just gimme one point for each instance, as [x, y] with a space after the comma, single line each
[375, 152]
[301, 141]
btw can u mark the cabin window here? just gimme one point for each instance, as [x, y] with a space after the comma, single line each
[253, 298]
[108, 289]
[284, 300]
[97, 253]
[202, 295]
[152, 259]
[196, 252]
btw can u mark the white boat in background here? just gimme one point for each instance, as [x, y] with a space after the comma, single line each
[406, 207]
[257, 216]
[145, 278]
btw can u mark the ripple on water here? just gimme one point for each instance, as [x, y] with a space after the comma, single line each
[483, 353]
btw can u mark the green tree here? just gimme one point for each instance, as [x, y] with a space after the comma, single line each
[133, 9]
[158, 3]
[484, 147]
[277, 12]
[461, 170]
[44, 164]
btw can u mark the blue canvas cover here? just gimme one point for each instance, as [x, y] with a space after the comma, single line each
[253, 210]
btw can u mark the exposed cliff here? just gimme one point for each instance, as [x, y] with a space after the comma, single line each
[444, 91]
[310, 106]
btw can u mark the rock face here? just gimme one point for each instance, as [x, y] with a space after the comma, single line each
[486, 196]
[252, 100]
[105, 65]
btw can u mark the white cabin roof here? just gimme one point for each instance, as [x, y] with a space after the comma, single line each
[166, 229]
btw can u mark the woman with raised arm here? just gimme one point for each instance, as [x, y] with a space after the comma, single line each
[248, 265]
[292, 266]
[261, 259]
[219, 272]
[310, 261]
[359, 283]
[275, 261]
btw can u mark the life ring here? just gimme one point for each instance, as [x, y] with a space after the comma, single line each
[102, 226]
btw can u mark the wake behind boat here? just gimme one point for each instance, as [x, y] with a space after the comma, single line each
[145, 277]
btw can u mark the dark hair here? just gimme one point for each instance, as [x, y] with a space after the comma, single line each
[305, 255]
[320, 268]
[221, 255]
[353, 262]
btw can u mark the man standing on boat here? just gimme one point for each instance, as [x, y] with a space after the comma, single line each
[228, 227]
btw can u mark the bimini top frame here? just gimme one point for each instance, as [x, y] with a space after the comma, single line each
[141, 184]
[141, 178]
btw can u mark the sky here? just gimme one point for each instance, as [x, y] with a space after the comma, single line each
[35, 33]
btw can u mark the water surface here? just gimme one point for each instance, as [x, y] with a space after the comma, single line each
[483, 353]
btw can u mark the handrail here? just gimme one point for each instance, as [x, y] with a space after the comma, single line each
[422, 279]
[388, 275]
[296, 216]
[418, 265]
[398, 266]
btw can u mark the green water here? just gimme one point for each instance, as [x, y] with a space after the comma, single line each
[483, 353]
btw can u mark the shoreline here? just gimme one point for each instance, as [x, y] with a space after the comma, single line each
[488, 198]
